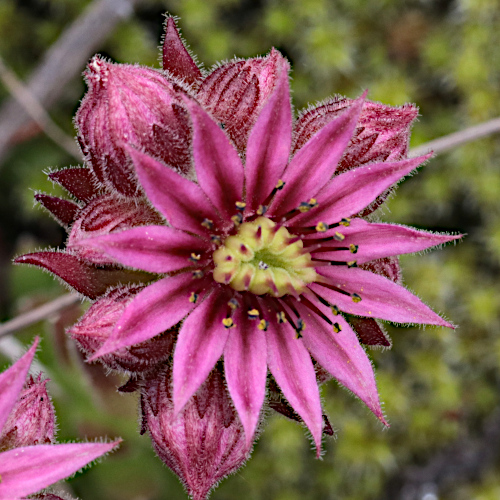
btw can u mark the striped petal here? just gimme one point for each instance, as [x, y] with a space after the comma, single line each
[380, 297]
[200, 344]
[156, 249]
[291, 365]
[245, 365]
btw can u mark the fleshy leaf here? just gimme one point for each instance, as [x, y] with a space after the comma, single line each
[176, 59]
[83, 276]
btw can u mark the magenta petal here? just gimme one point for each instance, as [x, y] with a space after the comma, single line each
[350, 192]
[380, 297]
[269, 143]
[315, 163]
[154, 310]
[12, 381]
[342, 355]
[176, 59]
[29, 469]
[218, 166]
[200, 344]
[291, 365]
[156, 249]
[375, 241]
[180, 200]
[245, 365]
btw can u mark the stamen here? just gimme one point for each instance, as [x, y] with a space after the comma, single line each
[209, 224]
[240, 205]
[353, 248]
[333, 287]
[313, 308]
[253, 314]
[237, 219]
[305, 206]
[263, 325]
[198, 274]
[281, 317]
[337, 328]
[280, 185]
[193, 298]
[195, 257]
[321, 227]
[301, 326]
[323, 262]
[216, 239]
[233, 304]
[355, 297]
[228, 323]
[262, 209]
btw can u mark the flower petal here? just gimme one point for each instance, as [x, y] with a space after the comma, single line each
[176, 59]
[12, 381]
[29, 469]
[218, 166]
[348, 193]
[374, 241]
[315, 163]
[156, 249]
[269, 143]
[180, 200]
[380, 297]
[291, 365]
[245, 365]
[154, 310]
[342, 355]
[200, 344]
[84, 277]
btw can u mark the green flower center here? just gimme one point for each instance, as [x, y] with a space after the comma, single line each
[264, 258]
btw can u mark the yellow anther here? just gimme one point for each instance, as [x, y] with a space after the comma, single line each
[253, 314]
[335, 310]
[237, 219]
[198, 274]
[313, 202]
[355, 297]
[193, 297]
[352, 263]
[215, 239]
[209, 224]
[233, 304]
[195, 257]
[339, 236]
[337, 328]
[321, 227]
[228, 323]
[262, 210]
[263, 324]
[240, 205]
[345, 222]
[280, 184]
[353, 248]
[281, 317]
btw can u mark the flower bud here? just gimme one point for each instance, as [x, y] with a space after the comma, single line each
[32, 421]
[205, 442]
[134, 106]
[96, 325]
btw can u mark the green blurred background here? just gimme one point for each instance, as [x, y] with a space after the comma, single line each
[440, 387]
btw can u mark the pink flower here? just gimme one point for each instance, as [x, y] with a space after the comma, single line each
[26, 469]
[257, 250]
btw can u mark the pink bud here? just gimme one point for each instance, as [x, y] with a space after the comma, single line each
[235, 93]
[134, 106]
[382, 133]
[95, 327]
[32, 421]
[205, 442]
